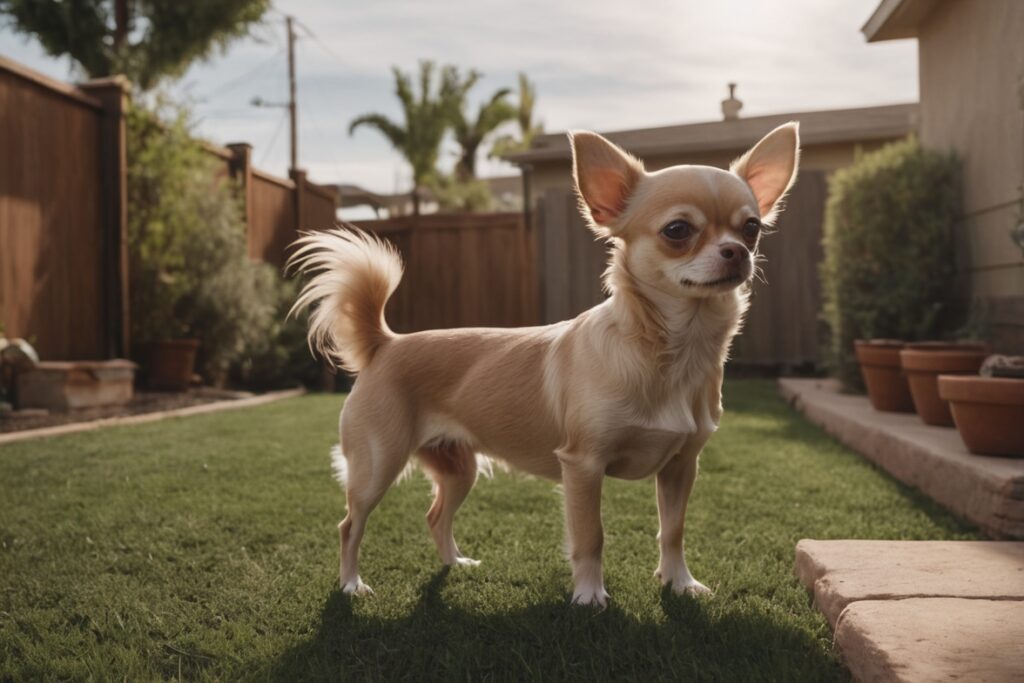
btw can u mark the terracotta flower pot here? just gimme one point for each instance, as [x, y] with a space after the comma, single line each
[880, 367]
[988, 411]
[922, 364]
[169, 363]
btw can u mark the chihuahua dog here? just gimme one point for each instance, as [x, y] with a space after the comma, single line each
[630, 388]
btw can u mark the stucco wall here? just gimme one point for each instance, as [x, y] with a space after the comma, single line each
[971, 57]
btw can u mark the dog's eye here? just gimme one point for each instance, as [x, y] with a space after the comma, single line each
[678, 231]
[751, 229]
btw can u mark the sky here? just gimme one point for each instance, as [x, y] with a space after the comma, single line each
[598, 64]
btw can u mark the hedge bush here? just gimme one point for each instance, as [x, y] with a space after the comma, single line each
[889, 252]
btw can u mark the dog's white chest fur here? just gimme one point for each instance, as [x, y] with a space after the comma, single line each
[646, 443]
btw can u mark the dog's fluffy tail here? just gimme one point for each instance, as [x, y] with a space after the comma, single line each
[339, 465]
[353, 274]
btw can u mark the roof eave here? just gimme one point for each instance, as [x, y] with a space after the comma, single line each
[809, 136]
[896, 19]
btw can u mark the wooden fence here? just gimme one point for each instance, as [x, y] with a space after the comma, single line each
[277, 208]
[461, 270]
[62, 224]
[63, 213]
[782, 327]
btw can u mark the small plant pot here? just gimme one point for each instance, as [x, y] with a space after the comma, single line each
[922, 365]
[988, 412]
[880, 367]
[169, 363]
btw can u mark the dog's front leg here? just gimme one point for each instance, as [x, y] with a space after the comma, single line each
[581, 481]
[675, 482]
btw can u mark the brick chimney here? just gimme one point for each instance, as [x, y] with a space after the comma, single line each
[731, 106]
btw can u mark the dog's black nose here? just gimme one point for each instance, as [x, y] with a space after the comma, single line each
[732, 253]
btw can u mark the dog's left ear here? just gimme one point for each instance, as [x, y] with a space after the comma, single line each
[770, 167]
[605, 178]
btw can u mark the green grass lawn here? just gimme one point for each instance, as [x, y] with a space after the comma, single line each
[206, 547]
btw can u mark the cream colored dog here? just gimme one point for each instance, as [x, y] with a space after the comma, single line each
[630, 388]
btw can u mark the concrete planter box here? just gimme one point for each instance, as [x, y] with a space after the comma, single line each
[62, 386]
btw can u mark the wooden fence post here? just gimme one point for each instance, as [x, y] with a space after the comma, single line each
[241, 170]
[112, 92]
[298, 176]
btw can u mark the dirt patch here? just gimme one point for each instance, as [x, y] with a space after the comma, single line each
[143, 402]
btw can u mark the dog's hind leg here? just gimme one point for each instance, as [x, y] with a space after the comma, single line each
[370, 474]
[453, 468]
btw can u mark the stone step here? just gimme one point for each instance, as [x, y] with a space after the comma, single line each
[841, 572]
[986, 490]
[921, 610]
[934, 640]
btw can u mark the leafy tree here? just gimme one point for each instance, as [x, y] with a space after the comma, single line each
[146, 40]
[427, 117]
[470, 134]
[528, 128]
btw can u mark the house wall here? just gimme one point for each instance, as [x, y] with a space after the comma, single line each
[971, 57]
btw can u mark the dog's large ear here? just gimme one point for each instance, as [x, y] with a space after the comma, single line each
[605, 178]
[770, 168]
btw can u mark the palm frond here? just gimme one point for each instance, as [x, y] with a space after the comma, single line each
[395, 134]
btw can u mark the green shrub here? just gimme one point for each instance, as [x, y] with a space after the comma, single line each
[285, 360]
[190, 273]
[462, 196]
[163, 166]
[889, 254]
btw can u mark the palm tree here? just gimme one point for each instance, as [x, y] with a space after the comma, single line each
[470, 134]
[427, 118]
[528, 129]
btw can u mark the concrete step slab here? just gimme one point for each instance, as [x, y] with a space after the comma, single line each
[933, 639]
[988, 491]
[839, 573]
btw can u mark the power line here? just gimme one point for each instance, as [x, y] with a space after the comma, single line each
[232, 84]
[273, 138]
[322, 139]
[321, 44]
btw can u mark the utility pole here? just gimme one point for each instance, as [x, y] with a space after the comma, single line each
[290, 105]
[291, 92]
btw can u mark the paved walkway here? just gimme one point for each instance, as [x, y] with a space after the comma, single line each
[986, 490]
[921, 610]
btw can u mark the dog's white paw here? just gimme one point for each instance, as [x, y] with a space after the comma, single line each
[693, 588]
[683, 584]
[464, 562]
[591, 597]
[356, 587]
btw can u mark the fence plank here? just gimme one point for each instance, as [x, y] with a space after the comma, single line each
[51, 220]
[461, 270]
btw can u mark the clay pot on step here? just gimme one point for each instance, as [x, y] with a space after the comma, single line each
[988, 412]
[922, 363]
[880, 367]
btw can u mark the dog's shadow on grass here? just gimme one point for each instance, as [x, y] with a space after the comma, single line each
[688, 640]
